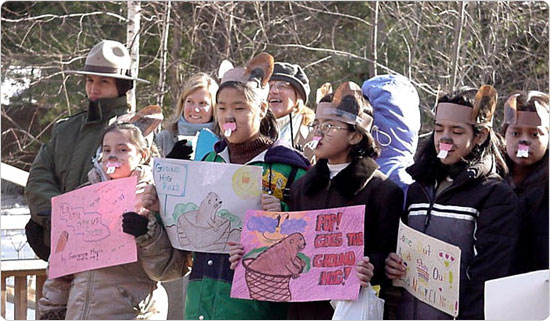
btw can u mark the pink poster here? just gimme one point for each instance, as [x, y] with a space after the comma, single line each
[86, 227]
[300, 256]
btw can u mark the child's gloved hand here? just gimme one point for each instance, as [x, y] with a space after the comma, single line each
[182, 150]
[365, 271]
[236, 252]
[134, 224]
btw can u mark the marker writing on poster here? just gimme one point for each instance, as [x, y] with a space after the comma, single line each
[328, 225]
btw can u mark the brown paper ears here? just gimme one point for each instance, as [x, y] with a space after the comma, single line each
[510, 110]
[485, 103]
[347, 88]
[147, 119]
[260, 68]
[322, 91]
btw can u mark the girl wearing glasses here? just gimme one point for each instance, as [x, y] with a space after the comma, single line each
[193, 111]
[525, 129]
[345, 175]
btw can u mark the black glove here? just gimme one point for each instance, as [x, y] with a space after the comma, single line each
[182, 150]
[134, 224]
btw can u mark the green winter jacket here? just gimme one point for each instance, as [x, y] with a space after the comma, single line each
[63, 163]
[208, 292]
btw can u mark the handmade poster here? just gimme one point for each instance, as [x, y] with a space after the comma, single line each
[87, 230]
[518, 297]
[203, 204]
[433, 269]
[300, 256]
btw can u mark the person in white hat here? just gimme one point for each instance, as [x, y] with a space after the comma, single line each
[63, 163]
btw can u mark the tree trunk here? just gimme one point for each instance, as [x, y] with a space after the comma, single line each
[164, 53]
[132, 42]
[373, 71]
[456, 46]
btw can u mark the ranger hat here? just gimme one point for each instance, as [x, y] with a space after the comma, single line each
[108, 59]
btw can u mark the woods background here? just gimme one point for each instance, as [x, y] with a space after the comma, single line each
[440, 46]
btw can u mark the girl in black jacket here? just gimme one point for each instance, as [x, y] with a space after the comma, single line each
[459, 197]
[346, 175]
[525, 129]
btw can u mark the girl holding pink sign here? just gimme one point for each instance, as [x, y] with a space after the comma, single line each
[459, 197]
[525, 129]
[346, 175]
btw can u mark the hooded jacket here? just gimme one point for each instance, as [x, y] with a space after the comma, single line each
[359, 183]
[63, 163]
[532, 250]
[478, 213]
[397, 114]
[209, 288]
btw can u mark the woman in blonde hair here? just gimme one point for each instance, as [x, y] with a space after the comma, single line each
[193, 111]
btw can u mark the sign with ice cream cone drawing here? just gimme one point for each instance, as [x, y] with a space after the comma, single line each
[300, 256]
[432, 269]
[203, 204]
[86, 227]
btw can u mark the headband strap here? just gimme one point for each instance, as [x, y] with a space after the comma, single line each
[454, 112]
[527, 118]
[326, 110]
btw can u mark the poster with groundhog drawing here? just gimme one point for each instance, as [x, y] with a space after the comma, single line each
[203, 204]
[87, 230]
[300, 256]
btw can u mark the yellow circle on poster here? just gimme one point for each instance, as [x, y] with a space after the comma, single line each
[245, 184]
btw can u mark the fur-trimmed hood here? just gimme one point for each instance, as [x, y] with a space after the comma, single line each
[349, 182]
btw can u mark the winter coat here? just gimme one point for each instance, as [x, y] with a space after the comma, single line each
[208, 292]
[63, 163]
[166, 138]
[532, 250]
[116, 292]
[359, 183]
[397, 114]
[478, 213]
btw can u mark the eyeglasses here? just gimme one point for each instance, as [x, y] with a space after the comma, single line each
[325, 128]
[280, 85]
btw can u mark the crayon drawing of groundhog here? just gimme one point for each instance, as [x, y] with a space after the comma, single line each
[268, 275]
[203, 229]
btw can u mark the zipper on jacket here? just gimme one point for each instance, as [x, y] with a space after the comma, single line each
[431, 200]
[89, 289]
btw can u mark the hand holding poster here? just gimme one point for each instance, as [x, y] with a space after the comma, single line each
[203, 204]
[432, 269]
[300, 256]
[86, 228]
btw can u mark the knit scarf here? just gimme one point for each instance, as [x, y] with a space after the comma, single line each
[188, 129]
[244, 152]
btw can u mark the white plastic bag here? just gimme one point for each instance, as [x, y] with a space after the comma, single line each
[367, 307]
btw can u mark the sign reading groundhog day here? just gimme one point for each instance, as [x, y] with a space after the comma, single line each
[203, 204]
[432, 269]
[86, 227]
[300, 256]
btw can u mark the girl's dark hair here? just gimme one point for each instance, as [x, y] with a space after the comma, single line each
[136, 138]
[427, 166]
[368, 145]
[123, 85]
[268, 125]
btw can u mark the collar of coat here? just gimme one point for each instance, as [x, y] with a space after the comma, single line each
[349, 181]
[98, 110]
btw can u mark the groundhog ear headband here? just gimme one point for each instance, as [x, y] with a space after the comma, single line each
[481, 114]
[147, 119]
[348, 106]
[256, 73]
[526, 118]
